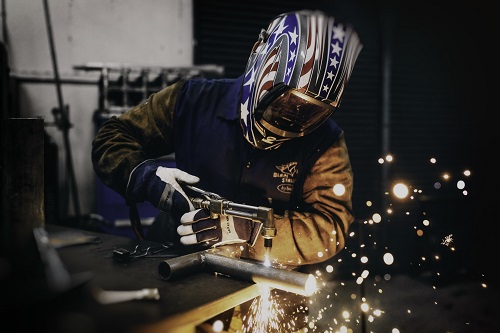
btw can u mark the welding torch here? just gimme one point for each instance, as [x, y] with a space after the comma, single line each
[217, 205]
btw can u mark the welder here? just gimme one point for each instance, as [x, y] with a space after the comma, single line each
[266, 138]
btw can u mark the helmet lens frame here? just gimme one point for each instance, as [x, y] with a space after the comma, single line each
[289, 113]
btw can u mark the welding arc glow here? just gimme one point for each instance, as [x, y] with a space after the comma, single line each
[299, 286]
[311, 287]
[267, 262]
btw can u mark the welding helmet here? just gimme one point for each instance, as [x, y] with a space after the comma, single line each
[295, 76]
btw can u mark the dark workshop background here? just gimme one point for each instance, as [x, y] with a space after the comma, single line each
[423, 87]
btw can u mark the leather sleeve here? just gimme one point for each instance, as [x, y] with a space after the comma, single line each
[313, 236]
[143, 132]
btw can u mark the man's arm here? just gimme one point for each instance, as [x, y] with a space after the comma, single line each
[318, 234]
[143, 132]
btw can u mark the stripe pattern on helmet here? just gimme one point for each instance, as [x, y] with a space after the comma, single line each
[305, 50]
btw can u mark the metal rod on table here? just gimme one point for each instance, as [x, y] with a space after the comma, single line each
[290, 281]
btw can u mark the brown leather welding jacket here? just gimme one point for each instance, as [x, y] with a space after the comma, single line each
[198, 120]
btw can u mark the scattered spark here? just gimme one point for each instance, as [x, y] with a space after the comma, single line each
[369, 203]
[447, 240]
[400, 190]
[364, 259]
[446, 176]
[329, 268]
[388, 259]
[339, 189]
[460, 184]
[345, 314]
[484, 285]
[467, 173]
[364, 307]
[320, 254]
[218, 326]
[420, 232]
[389, 158]
[377, 218]
[267, 314]
[426, 223]
[381, 160]
[437, 185]
[433, 160]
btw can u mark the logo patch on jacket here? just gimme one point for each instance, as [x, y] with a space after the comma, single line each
[287, 173]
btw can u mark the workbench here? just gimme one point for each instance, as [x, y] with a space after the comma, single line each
[183, 303]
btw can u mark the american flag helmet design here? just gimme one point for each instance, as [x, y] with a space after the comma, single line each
[305, 50]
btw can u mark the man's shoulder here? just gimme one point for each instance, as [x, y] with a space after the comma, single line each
[212, 82]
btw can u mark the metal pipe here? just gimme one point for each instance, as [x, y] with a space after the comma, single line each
[64, 116]
[177, 267]
[290, 281]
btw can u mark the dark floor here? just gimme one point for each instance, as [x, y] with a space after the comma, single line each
[405, 304]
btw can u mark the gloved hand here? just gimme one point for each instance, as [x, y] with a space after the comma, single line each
[197, 227]
[160, 186]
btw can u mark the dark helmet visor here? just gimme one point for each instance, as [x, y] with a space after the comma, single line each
[288, 113]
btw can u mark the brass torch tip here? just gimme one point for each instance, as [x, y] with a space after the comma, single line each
[268, 243]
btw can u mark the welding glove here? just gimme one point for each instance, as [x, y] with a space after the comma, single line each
[160, 186]
[198, 227]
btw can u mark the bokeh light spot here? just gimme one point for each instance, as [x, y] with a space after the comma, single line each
[400, 190]
[339, 189]
[388, 259]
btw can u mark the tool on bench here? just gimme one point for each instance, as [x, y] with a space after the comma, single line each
[124, 255]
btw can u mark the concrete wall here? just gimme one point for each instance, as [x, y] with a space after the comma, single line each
[130, 32]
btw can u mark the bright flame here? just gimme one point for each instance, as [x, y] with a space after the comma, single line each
[267, 261]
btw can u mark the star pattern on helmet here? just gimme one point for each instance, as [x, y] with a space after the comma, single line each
[293, 35]
[336, 48]
[339, 32]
